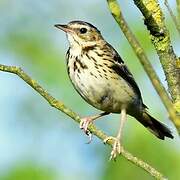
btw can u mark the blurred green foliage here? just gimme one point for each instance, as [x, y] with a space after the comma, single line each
[40, 53]
[29, 171]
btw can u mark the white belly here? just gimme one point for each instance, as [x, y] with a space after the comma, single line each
[103, 90]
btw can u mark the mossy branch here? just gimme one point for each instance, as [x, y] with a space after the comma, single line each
[60, 106]
[117, 14]
[159, 34]
[154, 20]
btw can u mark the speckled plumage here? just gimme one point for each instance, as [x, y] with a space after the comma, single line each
[100, 76]
[97, 80]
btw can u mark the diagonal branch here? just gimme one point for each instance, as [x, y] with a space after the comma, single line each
[60, 106]
[178, 8]
[176, 22]
[117, 14]
[159, 34]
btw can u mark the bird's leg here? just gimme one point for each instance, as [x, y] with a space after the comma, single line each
[84, 123]
[116, 149]
[88, 120]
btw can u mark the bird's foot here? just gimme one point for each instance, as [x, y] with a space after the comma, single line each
[116, 148]
[84, 123]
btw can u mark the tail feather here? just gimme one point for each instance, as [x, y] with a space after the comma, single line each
[154, 126]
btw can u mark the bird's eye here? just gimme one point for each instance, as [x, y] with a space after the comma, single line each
[83, 30]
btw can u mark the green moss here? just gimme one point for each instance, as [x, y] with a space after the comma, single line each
[154, 19]
[161, 43]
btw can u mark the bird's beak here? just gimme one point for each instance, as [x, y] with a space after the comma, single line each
[63, 27]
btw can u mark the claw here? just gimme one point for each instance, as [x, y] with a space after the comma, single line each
[116, 149]
[84, 123]
[90, 137]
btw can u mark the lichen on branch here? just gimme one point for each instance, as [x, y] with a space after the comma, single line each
[159, 34]
[157, 29]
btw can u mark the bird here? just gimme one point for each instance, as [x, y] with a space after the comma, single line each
[102, 79]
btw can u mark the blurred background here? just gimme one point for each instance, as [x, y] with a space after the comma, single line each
[38, 142]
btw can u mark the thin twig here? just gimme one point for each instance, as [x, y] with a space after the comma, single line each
[117, 14]
[60, 106]
[177, 23]
[178, 9]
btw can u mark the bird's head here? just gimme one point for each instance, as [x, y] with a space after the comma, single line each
[81, 33]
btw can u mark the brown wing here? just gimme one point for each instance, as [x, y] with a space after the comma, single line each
[121, 69]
